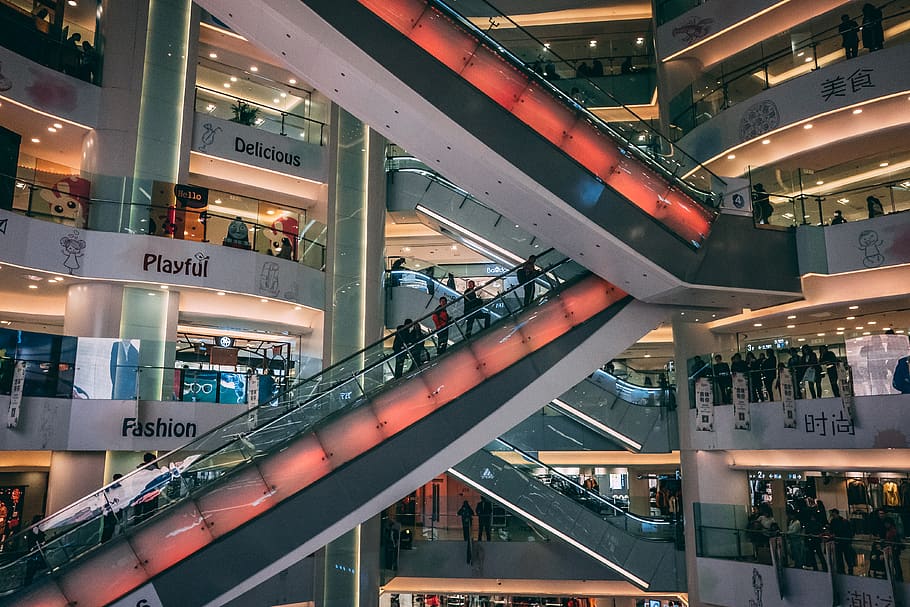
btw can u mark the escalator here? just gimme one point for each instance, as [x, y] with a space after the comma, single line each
[427, 78]
[643, 550]
[284, 479]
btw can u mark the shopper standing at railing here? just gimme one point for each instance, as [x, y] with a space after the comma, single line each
[874, 206]
[723, 380]
[838, 218]
[484, 518]
[843, 542]
[761, 204]
[812, 371]
[467, 519]
[797, 371]
[768, 371]
[755, 383]
[873, 33]
[849, 31]
[828, 358]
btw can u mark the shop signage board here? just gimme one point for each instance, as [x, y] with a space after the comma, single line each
[15, 397]
[252, 398]
[704, 405]
[742, 416]
[789, 403]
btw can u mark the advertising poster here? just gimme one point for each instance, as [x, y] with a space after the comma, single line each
[742, 417]
[15, 396]
[232, 388]
[789, 403]
[846, 392]
[200, 386]
[11, 499]
[106, 368]
[873, 360]
[704, 404]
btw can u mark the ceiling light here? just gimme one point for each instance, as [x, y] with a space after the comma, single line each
[227, 85]
[866, 333]
[858, 111]
[853, 308]
[270, 212]
[899, 331]
[258, 121]
[883, 164]
[546, 46]
[860, 328]
[283, 95]
[296, 307]
[151, 294]
[843, 200]
[35, 140]
[765, 141]
[264, 300]
[801, 339]
[276, 100]
[819, 182]
[71, 2]
[51, 129]
[871, 322]
[841, 328]
[820, 334]
[210, 108]
[292, 81]
[253, 68]
[217, 201]
[791, 317]
[592, 44]
[454, 247]
[758, 324]
[851, 317]
[233, 78]
[220, 293]
[640, 40]
[791, 326]
[406, 249]
[4, 322]
[840, 332]
[647, 356]
[213, 55]
[731, 156]
[164, 287]
[801, 53]
[58, 126]
[807, 126]
[59, 278]
[52, 281]
[33, 286]
[809, 59]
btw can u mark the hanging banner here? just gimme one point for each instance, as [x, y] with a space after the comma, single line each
[15, 396]
[846, 392]
[742, 416]
[789, 403]
[252, 398]
[779, 561]
[704, 403]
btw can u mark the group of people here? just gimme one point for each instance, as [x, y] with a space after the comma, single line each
[484, 512]
[762, 209]
[410, 336]
[810, 527]
[762, 372]
[873, 34]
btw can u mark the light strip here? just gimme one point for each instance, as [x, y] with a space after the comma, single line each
[725, 30]
[222, 31]
[593, 422]
[569, 540]
[49, 115]
[468, 234]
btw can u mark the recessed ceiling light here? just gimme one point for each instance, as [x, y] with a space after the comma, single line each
[283, 95]
[843, 200]
[871, 322]
[52, 281]
[841, 328]
[731, 156]
[454, 247]
[221, 293]
[233, 78]
[227, 85]
[807, 126]
[853, 308]
[858, 111]
[213, 55]
[58, 126]
[860, 328]
[647, 356]
[164, 287]
[292, 81]
[35, 140]
[765, 141]
[71, 2]
[883, 164]
[819, 182]
[592, 43]
[866, 333]
[840, 332]
[791, 317]
[801, 339]
[270, 212]
[820, 334]
[253, 68]
[758, 324]
[33, 286]
[51, 129]
[851, 317]
[296, 307]
[406, 249]
[899, 331]
[276, 100]
[59, 278]
[151, 294]
[264, 300]
[791, 326]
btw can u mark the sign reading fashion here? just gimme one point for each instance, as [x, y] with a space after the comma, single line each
[257, 149]
[158, 428]
[198, 265]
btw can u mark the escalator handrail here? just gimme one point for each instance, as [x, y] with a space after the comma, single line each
[291, 407]
[516, 62]
[596, 496]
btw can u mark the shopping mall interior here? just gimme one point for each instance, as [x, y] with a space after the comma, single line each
[459, 303]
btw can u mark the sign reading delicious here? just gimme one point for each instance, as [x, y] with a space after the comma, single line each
[255, 148]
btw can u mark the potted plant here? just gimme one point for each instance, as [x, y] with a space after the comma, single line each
[244, 113]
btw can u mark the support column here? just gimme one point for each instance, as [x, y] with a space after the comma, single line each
[347, 569]
[706, 475]
[146, 50]
[639, 495]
